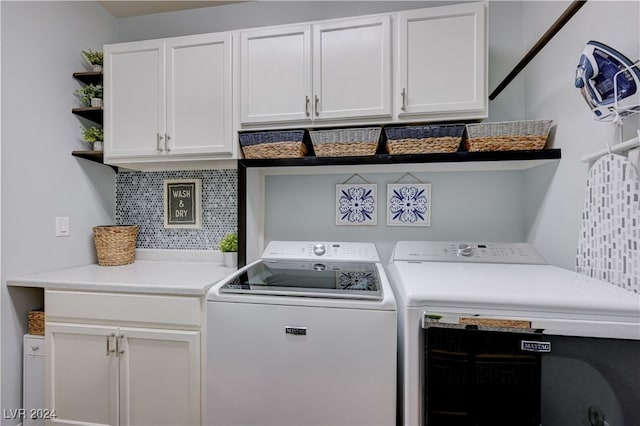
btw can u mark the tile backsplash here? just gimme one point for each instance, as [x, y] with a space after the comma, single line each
[140, 201]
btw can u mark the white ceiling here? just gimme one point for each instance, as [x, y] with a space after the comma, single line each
[123, 8]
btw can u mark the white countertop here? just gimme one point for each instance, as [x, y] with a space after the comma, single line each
[153, 272]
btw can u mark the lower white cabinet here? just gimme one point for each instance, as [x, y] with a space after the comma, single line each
[110, 371]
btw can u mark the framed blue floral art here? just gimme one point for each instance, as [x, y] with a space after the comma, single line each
[409, 204]
[356, 204]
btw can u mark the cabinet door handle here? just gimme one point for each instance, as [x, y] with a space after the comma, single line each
[167, 147]
[159, 142]
[109, 350]
[317, 101]
[120, 345]
[404, 99]
[306, 105]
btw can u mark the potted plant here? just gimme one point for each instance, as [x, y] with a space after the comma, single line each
[95, 58]
[94, 135]
[229, 248]
[91, 95]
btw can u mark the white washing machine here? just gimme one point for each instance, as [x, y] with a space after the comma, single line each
[486, 325]
[306, 335]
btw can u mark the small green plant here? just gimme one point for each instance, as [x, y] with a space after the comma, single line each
[94, 57]
[229, 242]
[92, 134]
[89, 92]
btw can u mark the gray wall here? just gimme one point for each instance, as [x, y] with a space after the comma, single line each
[552, 198]
[41, 42]
[549, 93]
[41, 48]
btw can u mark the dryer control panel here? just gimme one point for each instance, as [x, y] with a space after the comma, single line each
[309, 250]
[467, 252]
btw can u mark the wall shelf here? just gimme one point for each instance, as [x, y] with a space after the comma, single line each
[95, 156]
[89, 77]
[90, 113]
[456, 161]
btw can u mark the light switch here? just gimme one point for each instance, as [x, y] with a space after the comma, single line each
[62, 226]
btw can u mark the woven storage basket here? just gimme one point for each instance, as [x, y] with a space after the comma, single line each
[508, 135]
[424, 139]
[115, 245]
[345, 142]
[36, 322]
[281, 144]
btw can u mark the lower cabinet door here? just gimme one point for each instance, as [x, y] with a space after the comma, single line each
[81, 385]
[109, 375]
[160, 380]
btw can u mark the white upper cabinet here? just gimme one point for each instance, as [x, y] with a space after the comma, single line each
[199, 100]
[352, 68]
[169, 100]
[275, 74]
[326, 71]
[442, 63]
[135, 100]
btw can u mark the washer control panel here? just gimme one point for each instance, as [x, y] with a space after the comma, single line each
[467, 252]
[341, 251]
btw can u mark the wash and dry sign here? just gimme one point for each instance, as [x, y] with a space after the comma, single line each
[182, 203]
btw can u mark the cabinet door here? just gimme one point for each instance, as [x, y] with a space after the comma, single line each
[199, 104]
[81, 385]
[134, 83]
[352, 68]
[442, 62]
[159, 377]
[275, 75]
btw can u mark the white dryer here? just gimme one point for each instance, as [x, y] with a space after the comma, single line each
[306, 335]
[486, 326]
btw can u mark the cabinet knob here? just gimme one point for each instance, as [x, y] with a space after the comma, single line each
[120, 345]
[306, 105]
[316, 101]
[167, 147]
[109, 349]
[35, 348]
[404, 99]
[159, 142]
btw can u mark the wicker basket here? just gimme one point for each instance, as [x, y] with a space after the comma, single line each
[36, 322]
[281, 144]
[345, 142]
[424, 139]
[507, 135]
[115, 245]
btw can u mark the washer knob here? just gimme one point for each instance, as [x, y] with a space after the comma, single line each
[465, 250]
[319, 249]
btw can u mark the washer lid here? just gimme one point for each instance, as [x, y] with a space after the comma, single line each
[543, 289]
[342, 280]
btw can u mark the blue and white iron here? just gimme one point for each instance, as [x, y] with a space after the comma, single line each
[608, 81]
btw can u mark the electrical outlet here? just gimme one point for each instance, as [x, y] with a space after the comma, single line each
[62, 226]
